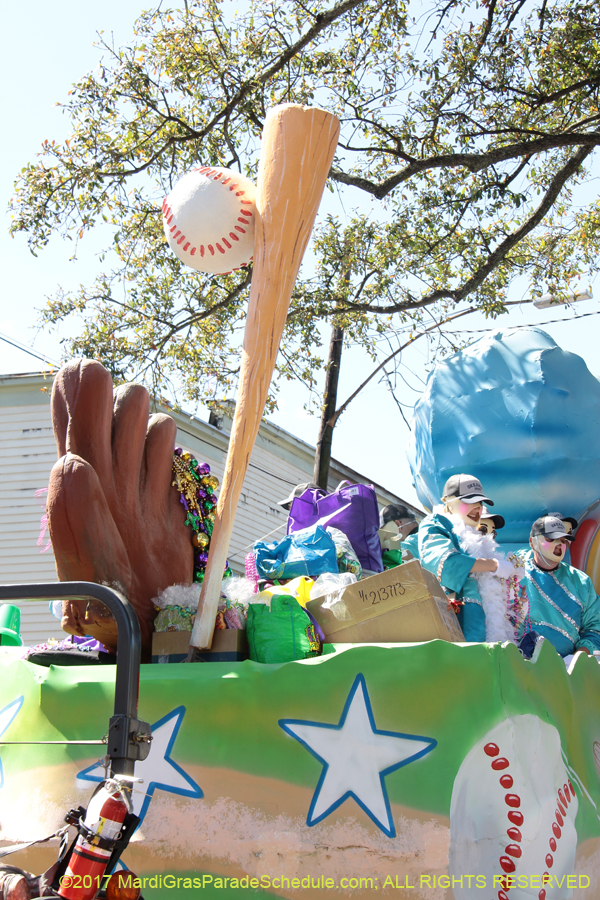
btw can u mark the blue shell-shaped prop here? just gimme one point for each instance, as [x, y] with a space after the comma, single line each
[521, 415]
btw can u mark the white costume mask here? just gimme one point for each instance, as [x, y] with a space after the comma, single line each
[489, 526]
[546, 548]
[469, 513]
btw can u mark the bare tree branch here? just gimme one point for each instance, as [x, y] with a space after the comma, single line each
[323, 21]
[474, 162]
[494, 258]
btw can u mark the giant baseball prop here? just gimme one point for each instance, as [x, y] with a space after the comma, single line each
[513, 814]
[208, 219]
[297, 149]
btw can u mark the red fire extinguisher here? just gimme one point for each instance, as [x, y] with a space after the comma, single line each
[98, 833]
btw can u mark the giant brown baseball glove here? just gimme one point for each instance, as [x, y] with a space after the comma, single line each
[113, 515]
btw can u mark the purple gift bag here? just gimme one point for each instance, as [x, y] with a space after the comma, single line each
[352, 508]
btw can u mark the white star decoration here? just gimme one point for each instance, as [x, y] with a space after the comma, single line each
[6, 717]
[356, 757]
[158, 769]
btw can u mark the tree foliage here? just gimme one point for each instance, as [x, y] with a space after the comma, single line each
[466, 127]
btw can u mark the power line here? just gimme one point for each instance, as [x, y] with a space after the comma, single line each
[26, 349]
[529, 324]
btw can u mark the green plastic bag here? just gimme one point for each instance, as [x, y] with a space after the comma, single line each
[391, 558]
[281, 633]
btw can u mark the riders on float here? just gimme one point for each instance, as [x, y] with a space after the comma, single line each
[482, 585]
[564, 606]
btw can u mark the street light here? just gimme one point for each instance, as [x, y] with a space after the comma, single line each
[547, 300]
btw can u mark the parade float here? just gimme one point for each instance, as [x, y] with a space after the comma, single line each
[434, 768]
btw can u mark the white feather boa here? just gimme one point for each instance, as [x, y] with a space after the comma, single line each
[492, 589]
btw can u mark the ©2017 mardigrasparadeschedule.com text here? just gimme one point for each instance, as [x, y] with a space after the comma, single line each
[311, 882]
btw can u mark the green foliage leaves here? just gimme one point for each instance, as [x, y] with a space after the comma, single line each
[465, 126]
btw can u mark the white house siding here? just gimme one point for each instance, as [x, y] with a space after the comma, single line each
[279, 461]
[27, 453]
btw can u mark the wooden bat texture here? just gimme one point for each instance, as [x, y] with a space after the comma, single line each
[297, 149]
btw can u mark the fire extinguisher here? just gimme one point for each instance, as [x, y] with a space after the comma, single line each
[98, 833]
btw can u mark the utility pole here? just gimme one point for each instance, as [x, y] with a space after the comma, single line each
[323, 451]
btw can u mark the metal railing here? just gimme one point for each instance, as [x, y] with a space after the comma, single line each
[128, 739]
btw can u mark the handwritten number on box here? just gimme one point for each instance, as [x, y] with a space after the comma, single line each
[384, 593]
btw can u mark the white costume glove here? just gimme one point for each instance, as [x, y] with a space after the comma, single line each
[507, 570]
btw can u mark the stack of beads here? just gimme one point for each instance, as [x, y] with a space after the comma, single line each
[196, 487]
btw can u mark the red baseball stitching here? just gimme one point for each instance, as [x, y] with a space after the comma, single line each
[246, 213]
[514, 851]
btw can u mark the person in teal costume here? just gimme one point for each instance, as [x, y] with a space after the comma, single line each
[563, 604]
[440, 552]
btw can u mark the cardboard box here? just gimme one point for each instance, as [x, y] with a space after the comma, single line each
[398, 606]
[229, 645]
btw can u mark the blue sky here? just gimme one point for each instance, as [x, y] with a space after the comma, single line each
[47, 47]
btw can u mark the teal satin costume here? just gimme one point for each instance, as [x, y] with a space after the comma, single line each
[563, 606]
[440, 553]
[411, 543]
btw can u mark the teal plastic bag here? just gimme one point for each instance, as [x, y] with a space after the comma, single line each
[309, 552]
[280, 633]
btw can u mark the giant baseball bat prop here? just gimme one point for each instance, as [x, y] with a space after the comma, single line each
[297, 149]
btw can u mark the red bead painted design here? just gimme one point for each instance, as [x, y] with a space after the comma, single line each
[513, 851]
[491, 749]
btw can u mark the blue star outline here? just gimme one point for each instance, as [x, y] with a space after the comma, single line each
[194, 790]
[389, 827]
